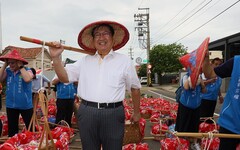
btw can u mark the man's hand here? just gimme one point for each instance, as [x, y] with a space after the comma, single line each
[56, 51]
[135, 117]
[49, 91]
[20, 63]
[221, 99]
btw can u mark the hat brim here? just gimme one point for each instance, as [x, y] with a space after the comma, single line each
[194, 60]
[120, 37]
[4, 58]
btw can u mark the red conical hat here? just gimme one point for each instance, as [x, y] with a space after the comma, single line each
[14, 54]
[193, 61]
[121, 35]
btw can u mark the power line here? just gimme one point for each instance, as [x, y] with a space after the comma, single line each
[174, 17]
[187, 19]
[197, 17]
[179, 21]
[209, 20]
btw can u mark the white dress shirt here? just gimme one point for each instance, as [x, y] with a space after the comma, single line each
[104, 80]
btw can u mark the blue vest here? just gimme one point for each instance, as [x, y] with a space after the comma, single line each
[18, 92]
[191, 98]
[212, 90]
[230, 113]
[66, 91]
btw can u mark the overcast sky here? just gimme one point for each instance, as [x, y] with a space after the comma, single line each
[187, 22]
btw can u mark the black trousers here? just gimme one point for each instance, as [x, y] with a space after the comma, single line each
[64, 110]
[101, 127]
[187, 119]
[13, 119]
[227, 143]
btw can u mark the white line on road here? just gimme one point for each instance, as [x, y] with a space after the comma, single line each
[162, 96]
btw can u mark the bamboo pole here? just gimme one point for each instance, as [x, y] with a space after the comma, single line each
[148, 138]
[4, 138]
[76, 130]
[201, 135]
[46, 134]
[37, 41]
[74, 147]
[213, 117]
[206, 135]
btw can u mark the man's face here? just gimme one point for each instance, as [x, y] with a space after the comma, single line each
[216, 63]
[103, 40]
[13, 64]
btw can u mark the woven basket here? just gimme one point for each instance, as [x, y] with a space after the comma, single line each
[146, 116]
[132, 133]
[158, 137]
[64, 123]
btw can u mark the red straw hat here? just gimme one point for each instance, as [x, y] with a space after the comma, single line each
[14, 54]
[120, 37]
[194, 60]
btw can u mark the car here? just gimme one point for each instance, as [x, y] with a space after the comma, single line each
[143, 80]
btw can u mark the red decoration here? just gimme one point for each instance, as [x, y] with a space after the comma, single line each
[174, 144]
[193, 61]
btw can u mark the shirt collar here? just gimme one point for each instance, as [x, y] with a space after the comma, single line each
[111, 53]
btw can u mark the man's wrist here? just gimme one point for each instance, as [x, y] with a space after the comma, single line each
[20, 67]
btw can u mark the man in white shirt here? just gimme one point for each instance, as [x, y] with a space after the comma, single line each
[102, 81]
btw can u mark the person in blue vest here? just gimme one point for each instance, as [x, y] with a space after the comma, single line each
[36, 83]
[209, 99]
[229, 119]
[18, 90]
[188, 114]
[65, 93]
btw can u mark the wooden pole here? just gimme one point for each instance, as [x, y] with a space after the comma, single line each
[75, 147]
[206, 135]
[201, 135]
[36, 41]
[62, 126]
[46, 134]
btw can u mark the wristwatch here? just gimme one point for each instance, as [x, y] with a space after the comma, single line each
[20, 67]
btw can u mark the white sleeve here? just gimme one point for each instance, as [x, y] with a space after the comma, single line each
[132, 80]
[73, 71]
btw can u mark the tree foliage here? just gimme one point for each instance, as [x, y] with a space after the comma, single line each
[142, 72]
[165, 58]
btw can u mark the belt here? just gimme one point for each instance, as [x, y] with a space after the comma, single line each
[101, 105]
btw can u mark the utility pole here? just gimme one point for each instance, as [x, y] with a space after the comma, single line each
[143, 29]
[131, 53]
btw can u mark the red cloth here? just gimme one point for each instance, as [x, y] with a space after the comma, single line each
[174, 144]
[194, 60]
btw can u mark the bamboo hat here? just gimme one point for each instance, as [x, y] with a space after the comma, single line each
[120, 37]
[14, 54]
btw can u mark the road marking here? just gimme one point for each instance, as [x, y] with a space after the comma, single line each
[172, 99]
[162, 96]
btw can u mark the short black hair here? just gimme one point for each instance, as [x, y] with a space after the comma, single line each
[33, 71]
[101, 25]
[216, 59]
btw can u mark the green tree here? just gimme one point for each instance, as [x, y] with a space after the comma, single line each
[142, 72]
[165, 58]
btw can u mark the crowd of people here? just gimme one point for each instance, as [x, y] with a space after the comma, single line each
[101, 81]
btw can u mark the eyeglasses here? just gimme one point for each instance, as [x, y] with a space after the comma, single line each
[12, 62]
[104, 34]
